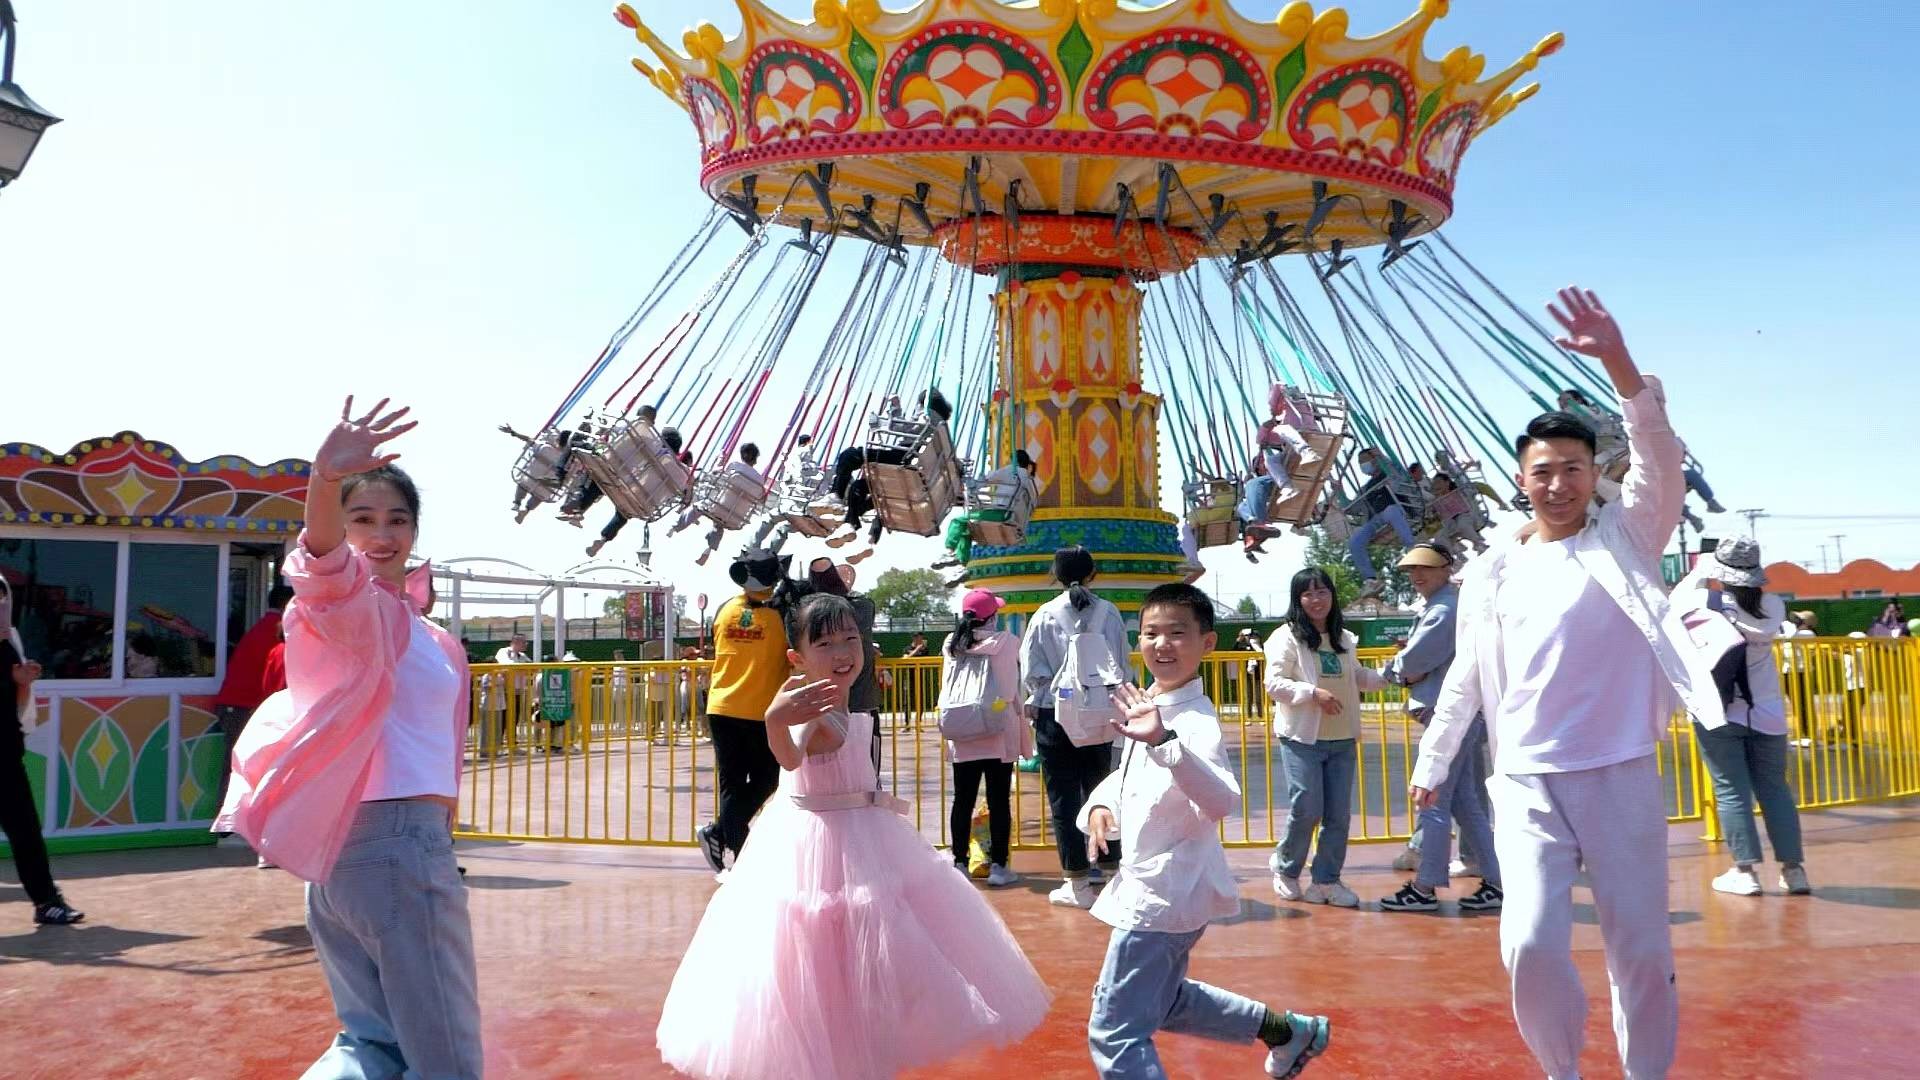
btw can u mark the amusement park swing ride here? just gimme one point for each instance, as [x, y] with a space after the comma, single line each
[1195, 231]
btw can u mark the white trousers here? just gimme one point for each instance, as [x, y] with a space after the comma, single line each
[1613, 820]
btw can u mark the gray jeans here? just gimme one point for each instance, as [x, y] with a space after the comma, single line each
[1745, 766]
[1144, 988]
[1319, 792]
[392, 933]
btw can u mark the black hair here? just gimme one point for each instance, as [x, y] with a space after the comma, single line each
[279, 596]
[391, 475]
[1177, 594]
[1074, 567]
[1747, 596]
[749, 453]
[671, 436]
[1023, 459]
[804, 440]
[646, 413]
[1296, 618]
[1451, 486]
[1556, 425]
[936, 405]
[821, 614]
[965, 635]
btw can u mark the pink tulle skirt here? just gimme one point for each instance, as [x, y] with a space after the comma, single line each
[844, 947]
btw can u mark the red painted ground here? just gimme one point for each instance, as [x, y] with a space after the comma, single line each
[194, 965]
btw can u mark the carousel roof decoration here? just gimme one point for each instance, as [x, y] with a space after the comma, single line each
[126, 480]
[1173, 208]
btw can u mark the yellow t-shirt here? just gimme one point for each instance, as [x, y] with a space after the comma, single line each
[1337, 678]
[749, 660]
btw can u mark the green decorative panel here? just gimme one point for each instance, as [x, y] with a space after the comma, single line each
[150, 779]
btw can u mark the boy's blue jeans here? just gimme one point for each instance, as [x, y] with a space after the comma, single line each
[1144, 988]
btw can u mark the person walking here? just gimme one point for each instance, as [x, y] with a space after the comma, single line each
[1315, 681]
[1074, 763]
[1566, 642]
[987, 758]
[749, 667]
[1747, 755]
[1421, 667]
[19, 817]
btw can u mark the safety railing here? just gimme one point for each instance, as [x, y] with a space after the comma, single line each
[619, 753]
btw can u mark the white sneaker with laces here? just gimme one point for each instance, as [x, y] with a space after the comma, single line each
[1334, 892]
[1000, 876]
[1287, 888]
[1073, 892]
[1408, 860]
[1793, 880]
[1738, 881]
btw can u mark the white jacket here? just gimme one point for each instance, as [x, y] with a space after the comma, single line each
[1620, 547]
[1768, 714]
[1293, 674]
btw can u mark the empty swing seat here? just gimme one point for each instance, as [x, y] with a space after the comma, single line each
[999, 511]
[1211, 504]
[728, 499]
[1310, 481]
[637, 471]
[915, 496]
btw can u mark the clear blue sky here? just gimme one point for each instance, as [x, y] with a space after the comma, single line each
[253, 209]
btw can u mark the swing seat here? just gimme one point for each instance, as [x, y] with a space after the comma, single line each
[728, 499]
[801, 499]
[538, 469]
[1329, 415]
[999, 511]
[917, 496]
[1211, 504]
[636, 471]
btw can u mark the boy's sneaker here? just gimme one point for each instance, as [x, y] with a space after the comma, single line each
[1410, 899]
[713, 846]
[1738, 881]
[1310, 1037]
[1073, 892]
[1408, 860]
[1334, 892]
[1793, 880]
[1486, 898]
[1000, 877]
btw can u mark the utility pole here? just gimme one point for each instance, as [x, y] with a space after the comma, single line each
[1837, 556]
[1752, 516]
[1824, 568]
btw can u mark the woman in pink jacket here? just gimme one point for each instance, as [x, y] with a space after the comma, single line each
[349, 778]
[990, 757]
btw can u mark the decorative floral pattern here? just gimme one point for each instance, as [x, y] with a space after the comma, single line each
[1359, 111]
[794, 91]
[713, 117]
[1045, 345]
[1146, 453]
[1097, 339]
[1183, 81]
[1096, 436]
[127, 480]
[976, 75]
[1445, 140]
[1038, 437]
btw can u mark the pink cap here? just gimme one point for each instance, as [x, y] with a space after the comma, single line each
[982, 604]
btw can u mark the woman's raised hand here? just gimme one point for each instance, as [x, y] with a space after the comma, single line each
[353, 446]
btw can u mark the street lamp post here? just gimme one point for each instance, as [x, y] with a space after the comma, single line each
[22, 121]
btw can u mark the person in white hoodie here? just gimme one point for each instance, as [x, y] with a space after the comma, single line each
[1165, 805]
[991, 757]
[1565, 641]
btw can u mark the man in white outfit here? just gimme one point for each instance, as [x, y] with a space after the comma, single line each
[1566, 644]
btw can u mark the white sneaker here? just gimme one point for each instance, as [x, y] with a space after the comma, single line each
[721, 877]
[1310, 1037]
[1793, 880]
[262, 863]
[1073, 892]
[1334, 893]
[1464, 868]
[1287, 888]
[1738, 882]
[999, 876]
[1408, 860]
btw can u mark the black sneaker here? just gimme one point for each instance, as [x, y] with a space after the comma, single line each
[1412, 899]
[56, 914]
[1487, 898]
[713, 846]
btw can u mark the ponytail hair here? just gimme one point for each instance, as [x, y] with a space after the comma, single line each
[965, 635]
[1073, 567]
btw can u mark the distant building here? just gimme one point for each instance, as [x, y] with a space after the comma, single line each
[1860, 579]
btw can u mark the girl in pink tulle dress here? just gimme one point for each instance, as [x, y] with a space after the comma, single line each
[842, 946]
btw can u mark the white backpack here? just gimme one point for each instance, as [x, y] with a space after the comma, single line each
[970, 708]
[1083, 687]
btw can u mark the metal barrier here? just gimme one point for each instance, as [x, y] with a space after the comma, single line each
[618, 753]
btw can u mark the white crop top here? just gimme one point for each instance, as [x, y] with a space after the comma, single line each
[419, 735]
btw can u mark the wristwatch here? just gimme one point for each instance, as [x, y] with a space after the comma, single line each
[1167, 735]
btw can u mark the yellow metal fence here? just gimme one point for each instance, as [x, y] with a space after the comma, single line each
[618, 753]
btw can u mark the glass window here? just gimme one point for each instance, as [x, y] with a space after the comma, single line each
[63, 602]
[173, 608]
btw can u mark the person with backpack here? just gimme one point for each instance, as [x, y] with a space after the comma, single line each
[1074, 653]
[985, 732]
[1315, 682]
[1734, 626]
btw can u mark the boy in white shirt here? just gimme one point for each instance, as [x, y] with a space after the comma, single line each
[1164, 803]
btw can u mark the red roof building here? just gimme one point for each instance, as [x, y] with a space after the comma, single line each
[1857, 579]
